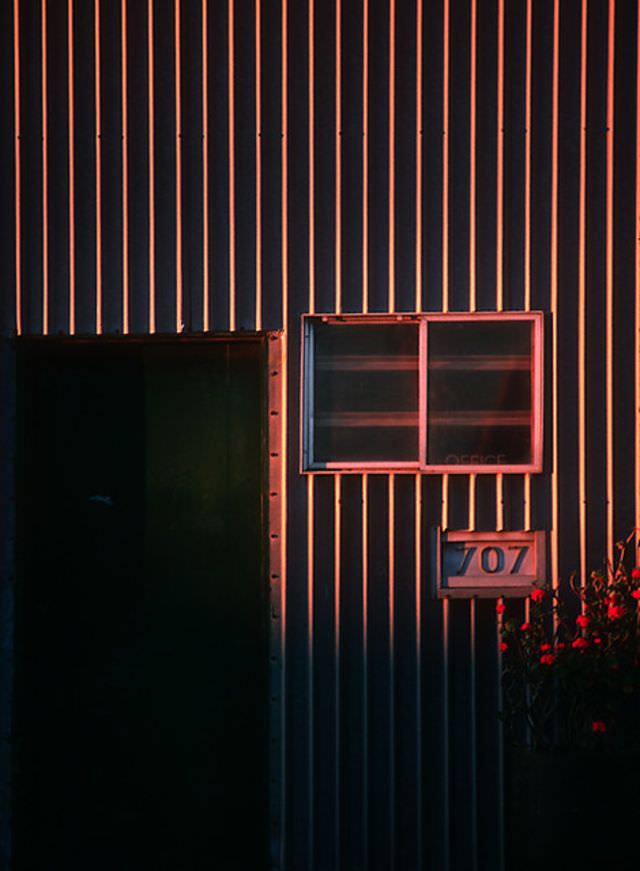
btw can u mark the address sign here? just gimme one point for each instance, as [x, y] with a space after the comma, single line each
[487, 564]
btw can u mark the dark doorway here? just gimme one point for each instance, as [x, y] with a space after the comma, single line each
[141, 697]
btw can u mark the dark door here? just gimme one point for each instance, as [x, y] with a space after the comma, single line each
[141, 638]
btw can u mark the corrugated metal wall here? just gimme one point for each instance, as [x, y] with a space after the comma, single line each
[210, 165]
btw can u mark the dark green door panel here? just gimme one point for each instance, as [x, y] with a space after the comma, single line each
[141, 696]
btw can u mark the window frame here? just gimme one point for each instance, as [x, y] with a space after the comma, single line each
[422, 319]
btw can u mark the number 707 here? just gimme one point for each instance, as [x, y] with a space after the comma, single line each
[492, 559]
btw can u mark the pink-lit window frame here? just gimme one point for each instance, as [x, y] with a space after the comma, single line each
[536, 318]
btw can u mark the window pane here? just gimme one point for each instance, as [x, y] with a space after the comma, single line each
[365, 383]
[479, 393]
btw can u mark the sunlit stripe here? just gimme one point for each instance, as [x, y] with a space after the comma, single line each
[582, 302]
[178, 87]
[554, 291]
[337, 569]
[258, 84]
[72, 173]
[445, 161]
[98, 110]
[205, 166]
[473, 729]
[338, 159]
[125, 173]
[284, 226]
[637, 324]
[284, 405]
[365, 156]
[499, 501]
[17, 165]
[391, 784]
[45, 175]
[284, 428]
[527, 218]
[609, 277]
[472, 159]
[500, 164]
[312, 161]
[418, 684]
[527, 162]
[392, 156]
[152, 175]
[232, 164]
[365, 671]
[419, 68]
[310, 664]
[473, 479]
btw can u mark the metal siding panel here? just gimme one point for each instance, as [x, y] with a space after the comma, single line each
[596, 159]
[432, 159]
[271, 168]
[218, 193]
[459, 72]
[487, 79]
[378, 110]
[514, 164]
[404, 209]
[138, 164]
[111, 138]
[624, 205]
[85, 147]
[245, 164]
[7, 171]
[165, 166]
[58, 160]
[192, 167]
[351, 144]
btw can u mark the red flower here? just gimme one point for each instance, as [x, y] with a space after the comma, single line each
[500, 608]
[503, 646]
[537, 595]
[580, 644]
[615, 611]
[525, 627]
[583, 621]
[547, 659]
[607, 600]
[545, 647]
[597, 640]
[560, 645]
[635, 573]
[599, 726]
[636, 594]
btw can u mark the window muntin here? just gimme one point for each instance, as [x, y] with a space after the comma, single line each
[432, 392]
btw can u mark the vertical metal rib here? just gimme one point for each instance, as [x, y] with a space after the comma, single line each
[445, 161]
[17, 164]
[152, 177]
[365, 673]
[45, 174]
[472, 158]
[365, 156]
[527, 219]
[473, 748]
[637, 312]
[337, 570]
[98, 109]
[500, 221]
[582, 302]
[609, 277]
[446, 787]
[232, 165]
[312, 162]
[392, 673]
[310, 667]
[418, 607]
[338, 160]
[205, 167]
[392, 157]
[125, 171]
[72, 172]
[258, 124]
[178, 107]
[500, 736]
[419, 154]
[554, 291]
